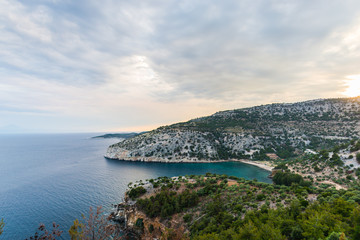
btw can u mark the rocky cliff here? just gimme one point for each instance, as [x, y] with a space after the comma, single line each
[284, 129]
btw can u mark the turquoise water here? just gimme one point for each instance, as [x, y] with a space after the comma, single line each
[57, 177]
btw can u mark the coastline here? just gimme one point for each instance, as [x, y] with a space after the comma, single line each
[260, 164]
[263, 164]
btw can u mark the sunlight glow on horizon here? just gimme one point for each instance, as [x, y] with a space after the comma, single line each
[353, 86]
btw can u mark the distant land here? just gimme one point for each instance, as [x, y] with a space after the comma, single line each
[119, 135]
[279, 130]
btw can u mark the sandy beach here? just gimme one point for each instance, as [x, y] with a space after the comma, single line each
[263, 164]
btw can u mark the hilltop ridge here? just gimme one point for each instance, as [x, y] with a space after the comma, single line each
[284, 129]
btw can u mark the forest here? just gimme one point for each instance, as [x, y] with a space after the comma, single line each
[221, 207]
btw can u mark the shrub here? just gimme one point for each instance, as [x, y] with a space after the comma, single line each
[287, 179]
[136, 192]
[358, 157]
[151, 228]
[187, 218]
[261, 197]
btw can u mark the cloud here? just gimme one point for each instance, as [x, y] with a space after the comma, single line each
[274, 46]
[76, 63]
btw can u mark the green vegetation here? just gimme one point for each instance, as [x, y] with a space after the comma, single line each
[167, 202]
[76, 231]
[221, 207]
[2, 224]
[287, 178]
[140, 224]
[355, 147]
[326, 167]
[285, 151]
[316, 221]
[136, 192]
[282, 166]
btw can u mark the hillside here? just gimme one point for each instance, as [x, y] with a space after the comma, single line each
[286, 129]
[221, 207]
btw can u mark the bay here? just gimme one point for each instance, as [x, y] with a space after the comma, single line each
[46, 178]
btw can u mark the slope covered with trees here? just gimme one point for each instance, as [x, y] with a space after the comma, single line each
[221, 207]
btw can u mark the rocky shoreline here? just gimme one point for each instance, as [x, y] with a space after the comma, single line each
[125, 214]
[131, 220]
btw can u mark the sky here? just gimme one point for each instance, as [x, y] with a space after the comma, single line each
[117, 66]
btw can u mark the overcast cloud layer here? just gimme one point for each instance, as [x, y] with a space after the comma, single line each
[75, 66]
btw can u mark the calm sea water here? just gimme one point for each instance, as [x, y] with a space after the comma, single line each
[57, 177]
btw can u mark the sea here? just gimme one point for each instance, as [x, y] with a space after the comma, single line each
[46, 178]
